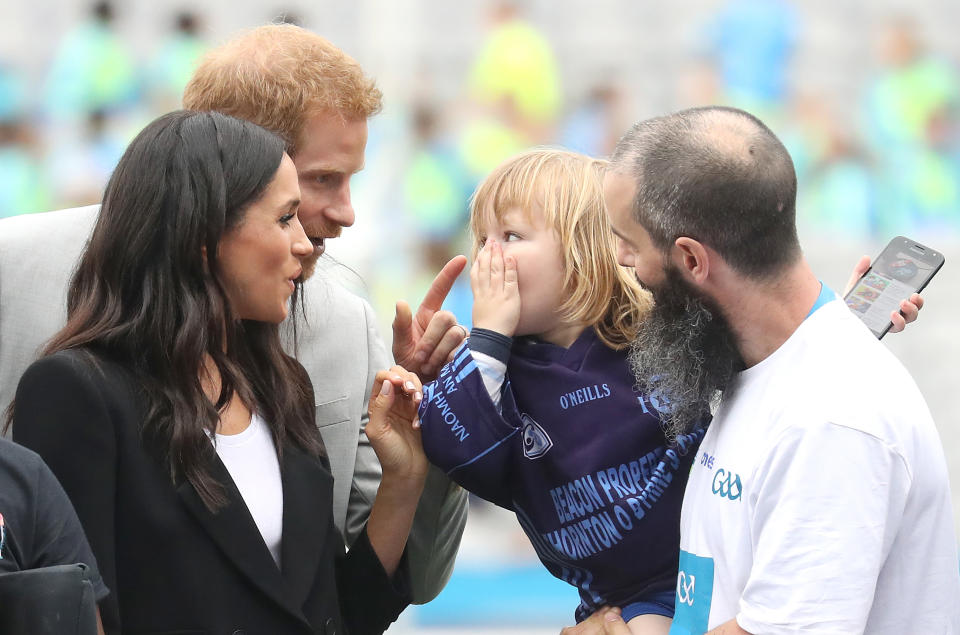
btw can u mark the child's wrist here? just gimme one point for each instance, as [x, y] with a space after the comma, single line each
[489, 342]
[494, 326]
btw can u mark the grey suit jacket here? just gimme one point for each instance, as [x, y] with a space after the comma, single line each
[337, 342]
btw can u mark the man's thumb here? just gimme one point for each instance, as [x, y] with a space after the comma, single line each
[858, 271]
[402, 322]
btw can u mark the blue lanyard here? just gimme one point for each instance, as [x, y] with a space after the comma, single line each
[826, 295]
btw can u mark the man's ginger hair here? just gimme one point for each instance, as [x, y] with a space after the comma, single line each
[279, 75]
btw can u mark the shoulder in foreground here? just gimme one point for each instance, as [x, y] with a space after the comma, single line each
[845, 346]
[852, 378]
[75, 220]
[14, 456]
[80, 363]
[835, 360]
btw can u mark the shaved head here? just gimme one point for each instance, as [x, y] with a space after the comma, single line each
[717, 175]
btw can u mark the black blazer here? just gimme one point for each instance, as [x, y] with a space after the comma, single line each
[171, 565]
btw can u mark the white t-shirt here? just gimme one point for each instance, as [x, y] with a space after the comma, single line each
[251, 459]
[819, 500]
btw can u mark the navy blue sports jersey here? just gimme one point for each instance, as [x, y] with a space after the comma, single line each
[578, 454]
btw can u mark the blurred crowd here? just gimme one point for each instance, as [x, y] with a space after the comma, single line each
[895, 170]
[61, 136]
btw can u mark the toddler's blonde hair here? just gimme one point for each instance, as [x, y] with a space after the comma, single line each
[567, 189]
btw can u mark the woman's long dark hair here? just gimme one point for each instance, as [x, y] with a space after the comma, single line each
[147, 291]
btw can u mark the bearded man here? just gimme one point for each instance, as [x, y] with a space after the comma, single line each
[815, 505]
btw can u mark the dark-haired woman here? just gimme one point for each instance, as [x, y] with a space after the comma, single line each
[182, 433]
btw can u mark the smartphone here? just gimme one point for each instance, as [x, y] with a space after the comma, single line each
[903, 267]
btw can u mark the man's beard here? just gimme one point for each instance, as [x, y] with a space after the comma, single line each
[317, 230]
[684, 355]
[309, 265]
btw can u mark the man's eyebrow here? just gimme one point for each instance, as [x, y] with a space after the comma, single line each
[322, 168]
[619, 235]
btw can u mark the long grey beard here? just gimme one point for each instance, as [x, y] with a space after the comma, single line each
[684, 355]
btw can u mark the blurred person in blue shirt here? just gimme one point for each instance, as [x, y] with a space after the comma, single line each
[22, 185]
[594, 126]
[436, 191]
[752, 41]
[85, 159]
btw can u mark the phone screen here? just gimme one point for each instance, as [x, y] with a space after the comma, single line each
[903, 268]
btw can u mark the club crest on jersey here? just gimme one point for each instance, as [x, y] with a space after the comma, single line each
[658, 399]
[536, 442]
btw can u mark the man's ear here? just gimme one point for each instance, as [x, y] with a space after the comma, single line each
[692, 258]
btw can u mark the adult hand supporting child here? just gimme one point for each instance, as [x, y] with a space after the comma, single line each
[605, 621]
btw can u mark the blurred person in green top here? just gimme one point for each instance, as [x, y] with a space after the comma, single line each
[517, 62]
[92, 69]
[514, 86]
[911, 122]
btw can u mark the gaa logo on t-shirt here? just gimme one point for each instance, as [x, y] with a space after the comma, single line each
[536, 442]
[727, 485]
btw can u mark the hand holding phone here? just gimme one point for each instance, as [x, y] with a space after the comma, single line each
[903, 268]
